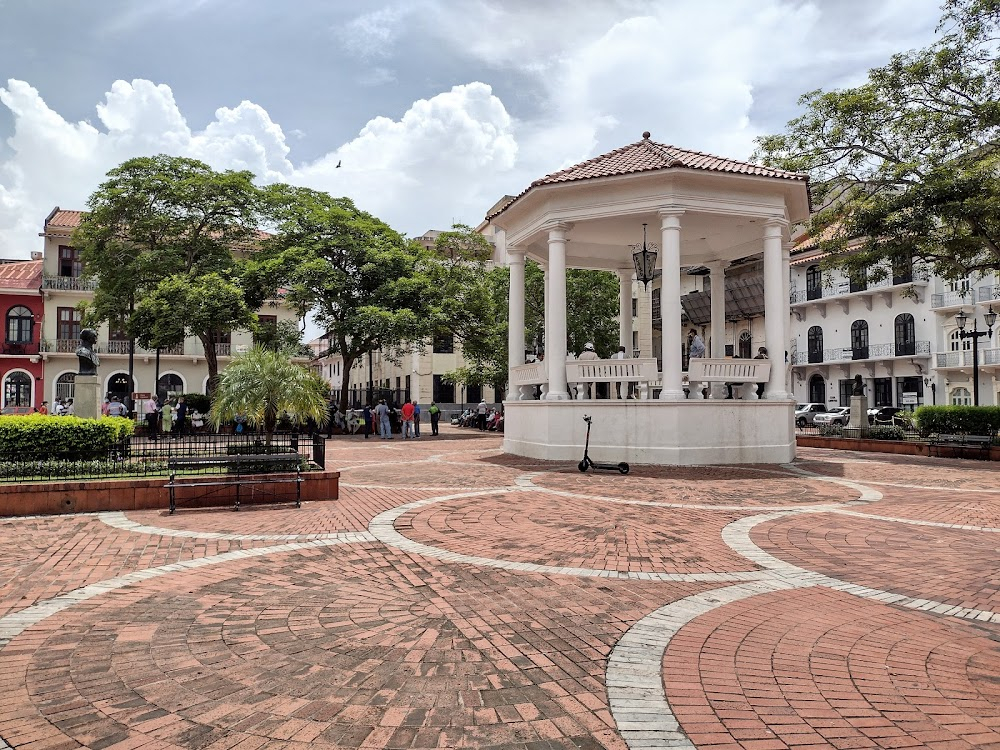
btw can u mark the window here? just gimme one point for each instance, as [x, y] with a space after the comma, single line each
[17, 389]
[859, 339]
[67, 323]
[961, 397]
[635, 307]
[69, 261]
[20, 323]
[444, 343]
[169, 385]
[444, 393]
[656, 304]
[906, 343]
[883, 391]
[746, 342]
[814, 282]
[66, 385]
[474, 394]
[817, 389]
[815, 339]
[859, 283]
[961, 286]
[846, 389]
[902, 271]
[910, 385]
[957, 344]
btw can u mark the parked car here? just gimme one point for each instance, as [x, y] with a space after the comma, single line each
[805, 413]
[837, 415]
[889, 415]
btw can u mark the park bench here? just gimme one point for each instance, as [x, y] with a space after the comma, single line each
[735, 371]
[240, 471]
[961, 442]
[583, 372]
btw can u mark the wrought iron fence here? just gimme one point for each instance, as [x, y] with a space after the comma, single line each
[142, 457]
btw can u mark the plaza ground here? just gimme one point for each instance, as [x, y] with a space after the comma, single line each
[457, 597]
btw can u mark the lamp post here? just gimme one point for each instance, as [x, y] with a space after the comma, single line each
[975, 334]
[644, 259]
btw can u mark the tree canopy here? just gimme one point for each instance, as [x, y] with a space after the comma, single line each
[367, 286]
[905, 166]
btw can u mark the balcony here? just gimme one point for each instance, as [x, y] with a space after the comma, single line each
[869, 353]
[223, 350]
[848, 288]
[19, 348]
[989, 294]
[69, 283]
[963, 359]
[953, 299]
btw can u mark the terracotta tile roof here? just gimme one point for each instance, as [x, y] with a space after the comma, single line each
[648, 156]
[21, 275]
[68, 219]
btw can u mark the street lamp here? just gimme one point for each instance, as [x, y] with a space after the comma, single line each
[961, 318]
[644, 259]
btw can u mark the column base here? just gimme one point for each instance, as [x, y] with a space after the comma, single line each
[557, 396]
[778, 396]
[672, 395]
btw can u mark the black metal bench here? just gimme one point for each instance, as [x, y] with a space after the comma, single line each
[961, 442]
[240, 471]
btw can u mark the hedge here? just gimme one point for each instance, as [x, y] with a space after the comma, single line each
[198, 402]
[39, 436]
[958, 420]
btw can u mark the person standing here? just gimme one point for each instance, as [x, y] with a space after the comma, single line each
[182, 410]
[70, 409]
[481, 415]
[435, 413]
[367, 416]
[44, 408]
[761, 354]
[167, 417]
[152, 417]
[407, 414]
[116, 408]
[697, 347]
[384, 426]
[416, 418]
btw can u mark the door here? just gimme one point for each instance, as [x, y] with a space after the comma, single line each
[817, 389]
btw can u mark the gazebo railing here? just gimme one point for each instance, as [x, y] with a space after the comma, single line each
[524, 378]
[583, 372]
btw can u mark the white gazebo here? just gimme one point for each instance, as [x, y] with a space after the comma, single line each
[710, 211]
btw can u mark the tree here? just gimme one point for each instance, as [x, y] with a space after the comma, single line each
[366, 285]
[159, 234]
[262, 385]
[904, 166]
[591, 308]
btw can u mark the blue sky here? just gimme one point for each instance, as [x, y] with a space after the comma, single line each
[435, 108]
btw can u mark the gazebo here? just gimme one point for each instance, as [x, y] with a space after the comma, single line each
[710, 211]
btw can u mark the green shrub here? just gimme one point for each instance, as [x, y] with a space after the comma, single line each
[831, 430]
[39, 436]
[885, 433]
[198, 402]
[958, 420]
[53, 468]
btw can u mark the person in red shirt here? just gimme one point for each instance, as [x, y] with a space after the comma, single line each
[407, 412]
[44, 408]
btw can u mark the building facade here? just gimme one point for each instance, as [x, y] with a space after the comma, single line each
[21, 368]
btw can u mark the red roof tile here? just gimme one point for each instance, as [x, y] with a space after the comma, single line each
[69, 219]
[22, 275]
[648, 156]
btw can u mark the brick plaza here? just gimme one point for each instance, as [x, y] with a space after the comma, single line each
[456, 597]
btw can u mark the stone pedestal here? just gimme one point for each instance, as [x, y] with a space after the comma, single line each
[859, 412]
[87, 396]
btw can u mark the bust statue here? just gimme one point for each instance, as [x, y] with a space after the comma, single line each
[86, 354]
[859, 386]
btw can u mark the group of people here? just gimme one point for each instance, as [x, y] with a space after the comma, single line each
[483, 416]
[380, 417]
[61, 408]
[169, 416]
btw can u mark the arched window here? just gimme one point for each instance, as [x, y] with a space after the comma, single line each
[745, 344]
[957, 344]
[815, 339]
[814, 282]
[960, 286]
[169, 385]
[960, 397]
[859, 339]
[20, 323]
[17, 389]
[817, 389]
[66, 386]
[906, 336]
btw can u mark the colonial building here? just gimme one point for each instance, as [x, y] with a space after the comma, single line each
[21, 369]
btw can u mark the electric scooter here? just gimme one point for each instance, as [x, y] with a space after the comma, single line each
[588, 463]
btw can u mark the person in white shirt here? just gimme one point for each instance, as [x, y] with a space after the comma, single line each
[70, 409]
[481, 415]
[152, 410]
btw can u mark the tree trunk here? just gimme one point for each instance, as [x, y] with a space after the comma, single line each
[211, 359]
[270, 424]
[345, 381]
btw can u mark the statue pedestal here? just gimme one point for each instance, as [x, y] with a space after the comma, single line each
[859, 412]
[87, 396]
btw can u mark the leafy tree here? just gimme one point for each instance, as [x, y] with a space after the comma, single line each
[366, 285]
[159, 235]
[591, 308]
[262, 385]
[905, 165]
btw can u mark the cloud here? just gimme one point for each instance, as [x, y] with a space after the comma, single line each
[372, 35]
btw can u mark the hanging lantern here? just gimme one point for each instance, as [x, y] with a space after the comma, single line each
[644, 259]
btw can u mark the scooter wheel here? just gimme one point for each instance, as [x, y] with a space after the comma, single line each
[623, 467]
[582, 466]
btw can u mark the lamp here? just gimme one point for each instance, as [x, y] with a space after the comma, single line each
[644, 259]
[990, 318]
[961, 318]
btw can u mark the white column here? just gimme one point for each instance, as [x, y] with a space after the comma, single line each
[775, 309]
[786, 274]
[515, 316]
[625, 310]
[717, 277]
[555, 336]
[670, 305]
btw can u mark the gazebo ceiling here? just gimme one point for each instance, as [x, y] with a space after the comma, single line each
[605, 200]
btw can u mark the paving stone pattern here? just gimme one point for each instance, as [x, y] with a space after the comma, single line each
[458, 597]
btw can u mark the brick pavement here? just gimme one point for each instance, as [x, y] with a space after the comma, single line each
[796, 615]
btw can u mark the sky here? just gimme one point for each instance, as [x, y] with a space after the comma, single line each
[434, 109]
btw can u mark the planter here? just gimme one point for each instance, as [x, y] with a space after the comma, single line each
[898, 447]
[52, 498]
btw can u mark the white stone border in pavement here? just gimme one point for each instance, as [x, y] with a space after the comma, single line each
[117, 519]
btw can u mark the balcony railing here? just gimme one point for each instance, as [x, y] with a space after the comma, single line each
[964, 358]
[69, 283]
[947, 299]
[19, 348]
[873, 351]
[115, 346]
[850, 287]
[989, 294]
[223, 350]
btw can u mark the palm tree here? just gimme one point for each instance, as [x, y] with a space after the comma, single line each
[262, 384]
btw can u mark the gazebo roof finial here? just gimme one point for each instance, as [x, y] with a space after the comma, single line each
[645, 134]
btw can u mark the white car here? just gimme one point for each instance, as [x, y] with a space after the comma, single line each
[837, 415]
[806, 413]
